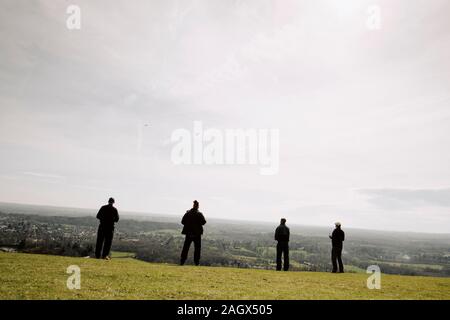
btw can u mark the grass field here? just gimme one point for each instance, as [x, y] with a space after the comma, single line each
[28, 276]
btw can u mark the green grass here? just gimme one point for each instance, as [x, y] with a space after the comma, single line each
[354, 269]
[119, 254]
[28, 276]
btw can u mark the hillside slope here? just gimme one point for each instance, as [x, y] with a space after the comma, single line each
[27, 276]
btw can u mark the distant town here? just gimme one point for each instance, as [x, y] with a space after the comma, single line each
[232, 244]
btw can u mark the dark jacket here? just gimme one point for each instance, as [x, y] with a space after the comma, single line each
[108, 215]
[193, 221]
[337, 237]
[282, 233]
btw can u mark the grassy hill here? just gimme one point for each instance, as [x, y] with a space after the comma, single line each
[29, 276]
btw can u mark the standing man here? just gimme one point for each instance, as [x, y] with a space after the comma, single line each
[107, 215]
[337, 238]
[193, 222]
[282, 236]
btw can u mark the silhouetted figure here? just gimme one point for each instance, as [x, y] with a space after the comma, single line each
[193, 221]
[337, 238]
[107, 215]
[282, 236]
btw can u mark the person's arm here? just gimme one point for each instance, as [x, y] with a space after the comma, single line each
[183, 220]
[288, 233]
[203, 220]
[100, 214]
[116, 218]
[276, 233]
[343, 236]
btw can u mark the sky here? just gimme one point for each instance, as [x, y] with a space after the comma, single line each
[363, 113]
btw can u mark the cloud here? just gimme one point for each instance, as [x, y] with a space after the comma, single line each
[354, 107]
[397, 198]
[43, 175]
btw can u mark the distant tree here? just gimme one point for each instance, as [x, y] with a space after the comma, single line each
[22, 244]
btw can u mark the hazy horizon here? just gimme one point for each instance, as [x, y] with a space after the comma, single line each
[175, 217]
[363, 115]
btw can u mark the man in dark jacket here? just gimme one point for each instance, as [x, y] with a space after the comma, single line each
[193, 221]
[107, 215]
[282, 236]
[337, 238]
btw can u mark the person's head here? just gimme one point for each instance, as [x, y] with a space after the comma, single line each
[283, 221]
[196, 205]
[338, 225]
[111, 201]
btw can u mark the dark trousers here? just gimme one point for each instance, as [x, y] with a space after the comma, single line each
[336, 258]
[283, 249]
[197, 248]
[104, 240]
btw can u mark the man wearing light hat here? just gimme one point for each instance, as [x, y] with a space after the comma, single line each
[337, 238]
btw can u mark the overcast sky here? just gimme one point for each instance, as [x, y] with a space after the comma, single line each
[363, 115]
